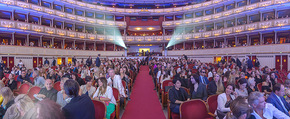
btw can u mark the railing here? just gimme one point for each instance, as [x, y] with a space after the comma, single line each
[63, 14]
[278, 23]
[224, 13]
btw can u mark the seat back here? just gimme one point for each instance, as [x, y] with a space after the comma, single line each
[199, 107]
[167, 83]
[32, 91]
[212, 103]
[15, 77]
[18, 84]
[116, 94]
[124, 85]
[259, 86]
[100, 109]
[24, 88]
[56, 86]
[31, 79]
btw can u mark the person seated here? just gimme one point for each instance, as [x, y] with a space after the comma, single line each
[47, 92]
[197, 89]
[104, 93]
[23, 78]
[116, 82]
[242, 90]
[22, 104]
[267, 84]
[215, 86]
[240, 109]
[203, 79]
[61, 96]
[78, 107]
[38, 80]
[224, 100]
[252, 85]
[276, 99]
[88, 88]
[75, 77]
[8, 100]
[177, 96]
[263, 110]
[12, 84]
[45, 109]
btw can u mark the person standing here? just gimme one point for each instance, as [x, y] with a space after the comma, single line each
[98, 61]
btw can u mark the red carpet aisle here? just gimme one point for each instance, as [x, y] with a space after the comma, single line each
[144, 102]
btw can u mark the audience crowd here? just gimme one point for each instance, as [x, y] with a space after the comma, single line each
[65, 91]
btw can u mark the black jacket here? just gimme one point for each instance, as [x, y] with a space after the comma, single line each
[173, 96]
[80, 107]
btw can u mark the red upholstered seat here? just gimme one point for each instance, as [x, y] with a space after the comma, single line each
[117, 98]
[259, 86]
[6, 76]
[163, 92]
[32, 91]
[23, 89]
[124, 85]
[199, 107]
[32, 80]
[175, 116]
[56, 86]
[212, 103]
[100, 109]
[15, 78]
[18, 84]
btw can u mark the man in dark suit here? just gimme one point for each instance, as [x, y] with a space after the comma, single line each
[53, 62]
[202, 78]
[74, 60]
[276, 99]
[89, 61]
[46, 61]
[98, 61]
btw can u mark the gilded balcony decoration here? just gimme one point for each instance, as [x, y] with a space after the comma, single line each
[71, 1]
[238, 10]
[82, 35]
[217, 15]
[111, 23]
[100, 7]
[81, 18]
[187, 36]
[101, 37]
[110, 38]
[207, 3]
[207, 34]
[197, 35]
[177, 22]
[100, 21]
[251, 26]
[71, 16]
[61, 14]
[49, 30]
[281, 22]
[226, 13]
[130, 38]
[265, 24]
[61, 32]
[168, 10]
[8, 24]
[91, 20]
[280, 1]
[49, 11]
[217, 32]
[8, 2]
[158, 10]
[197, 19]
[129, 10]
[120, 10]
[196, 6]
[178, 9]
[71, 34]
[206, 18]
[187, 21]
[22, 25]
[167, 37]
[187, 7]
[81, 3]
[227, 31]
[252, 6]
[91, 6]
[265, 3]
[239, 28]
[139, 38]
[22, 4]
[92, 36]
[217, 1]
[149, 38]
[36, 7]
[159, 38]
[36, 28]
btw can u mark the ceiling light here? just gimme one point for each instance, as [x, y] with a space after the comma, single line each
[138, 28]
[150, 28]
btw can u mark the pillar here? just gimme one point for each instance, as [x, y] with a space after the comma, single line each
[27, 40]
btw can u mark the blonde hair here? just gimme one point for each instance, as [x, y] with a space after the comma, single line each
[24, 102]
[103, 88]
[7, 95]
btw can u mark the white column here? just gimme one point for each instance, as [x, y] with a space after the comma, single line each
[276, 37]
[27, 40]
[261, 38]
[236, 40]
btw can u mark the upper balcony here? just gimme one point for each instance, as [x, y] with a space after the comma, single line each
[232, 13]
[39, 9]
[275, 24]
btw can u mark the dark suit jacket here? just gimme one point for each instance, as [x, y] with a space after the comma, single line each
[205, 78]
[200, 93]
[211, 88]
[173, 96]
[276, 102]
[80, 107]
[98, 62]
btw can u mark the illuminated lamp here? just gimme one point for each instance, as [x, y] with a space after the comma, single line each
[92, 38]
[150, 28]
[196, 36]
[138, 28]
[196, 20]
[72, 35]
[82, 37]
[250, 29]
[227, 32]
[216, 34]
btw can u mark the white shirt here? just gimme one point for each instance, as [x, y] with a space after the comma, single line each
[108, 94]
[221, 101]
[117, 83]
[209, 74]
[270, 111]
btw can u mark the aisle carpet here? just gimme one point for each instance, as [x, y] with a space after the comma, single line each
[144, 102]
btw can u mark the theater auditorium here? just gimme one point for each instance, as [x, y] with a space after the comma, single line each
[145, 59]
